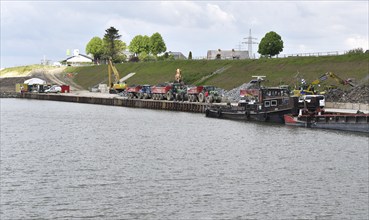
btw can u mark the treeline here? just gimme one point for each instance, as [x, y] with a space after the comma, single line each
[143, 47]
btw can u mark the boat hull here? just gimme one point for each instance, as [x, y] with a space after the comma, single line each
[347, 122]
[274, 117]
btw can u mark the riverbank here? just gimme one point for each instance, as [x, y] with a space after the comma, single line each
[83, 96]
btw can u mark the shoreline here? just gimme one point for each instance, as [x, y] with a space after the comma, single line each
[98, 98]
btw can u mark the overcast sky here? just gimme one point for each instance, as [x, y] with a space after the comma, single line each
[31, 30]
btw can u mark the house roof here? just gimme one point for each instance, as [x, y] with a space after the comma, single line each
[80, 58]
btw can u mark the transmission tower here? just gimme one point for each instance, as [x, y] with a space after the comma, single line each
[250, 42]
[239, 46]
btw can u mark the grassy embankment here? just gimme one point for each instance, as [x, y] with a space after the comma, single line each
[230, 73]
[235, 72]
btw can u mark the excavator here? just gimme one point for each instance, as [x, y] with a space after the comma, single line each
[117, 86]
[310, 90]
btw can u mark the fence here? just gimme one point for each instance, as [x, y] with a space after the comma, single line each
[315, 54]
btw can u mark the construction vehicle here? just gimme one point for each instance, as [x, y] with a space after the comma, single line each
[160, 92]
[178, 76]
[202, 94]
[177, 92]
[309, 89]
[145, 92]
[133, 91]
[339, 80]
[117, 85]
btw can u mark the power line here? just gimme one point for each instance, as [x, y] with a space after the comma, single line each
[250, 42]
[239, 46]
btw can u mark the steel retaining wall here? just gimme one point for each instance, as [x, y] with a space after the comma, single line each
[116, 101]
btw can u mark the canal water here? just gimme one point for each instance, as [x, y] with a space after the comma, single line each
[80, 161]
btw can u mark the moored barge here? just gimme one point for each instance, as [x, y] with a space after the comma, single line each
[312, 115]
[258, 103]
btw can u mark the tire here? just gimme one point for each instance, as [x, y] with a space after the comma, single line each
[154, 97]
[160, 96]
[219, 113]
[169, 96]
[209, 99]
[201, 97]
[178, 97]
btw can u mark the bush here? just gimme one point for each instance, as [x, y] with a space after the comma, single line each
[134, 59]
[355, 51]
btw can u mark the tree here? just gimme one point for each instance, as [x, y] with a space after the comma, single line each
[157, 44]
[140, 44]
[271, 44]
[190, 55]
[111, 38]
[95, 47]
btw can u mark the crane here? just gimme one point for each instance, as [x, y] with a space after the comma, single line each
[309, 89]
[117, 86]
[339, 80]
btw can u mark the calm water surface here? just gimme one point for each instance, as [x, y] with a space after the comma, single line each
[71, 161]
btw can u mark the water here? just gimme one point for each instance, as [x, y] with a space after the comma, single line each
[72, 161]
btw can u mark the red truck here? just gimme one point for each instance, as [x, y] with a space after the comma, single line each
[133, 91]
[160, 92]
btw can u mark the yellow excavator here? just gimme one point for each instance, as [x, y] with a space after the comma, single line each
[310, 90]
[117, 86]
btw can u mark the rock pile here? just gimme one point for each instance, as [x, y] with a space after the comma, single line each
[233, 95]
[358, 94]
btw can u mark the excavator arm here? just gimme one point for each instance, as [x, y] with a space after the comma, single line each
[115, 86]
[112, 70]
[339, 80]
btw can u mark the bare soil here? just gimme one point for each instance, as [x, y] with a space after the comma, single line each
[53, 76]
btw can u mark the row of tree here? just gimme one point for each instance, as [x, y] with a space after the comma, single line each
[111, 46]
[145, 47]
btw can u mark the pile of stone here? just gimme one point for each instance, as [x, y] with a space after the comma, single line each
[358, 94]
[233, 95]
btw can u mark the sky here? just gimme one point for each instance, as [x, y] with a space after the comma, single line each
[34, 30]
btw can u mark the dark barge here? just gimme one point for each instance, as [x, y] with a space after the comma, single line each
[313, 115]
[258, 103]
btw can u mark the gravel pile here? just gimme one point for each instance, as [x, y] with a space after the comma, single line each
[358, 94]
[233, 95]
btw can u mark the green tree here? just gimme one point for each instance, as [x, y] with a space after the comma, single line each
[190, 55]
[157, 44]
[112, 48]
[95, 47]
[271, 44]
[140, 44]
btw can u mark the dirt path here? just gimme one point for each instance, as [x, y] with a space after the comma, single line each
[59, 76]
[52, 76]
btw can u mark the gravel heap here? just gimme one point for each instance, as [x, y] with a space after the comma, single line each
[233, 95]
[358, 94]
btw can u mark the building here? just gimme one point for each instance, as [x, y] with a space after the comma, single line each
[78, 59]
[177, 55]
[228, 54]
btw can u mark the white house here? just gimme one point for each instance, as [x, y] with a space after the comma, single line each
[79, 59]
[228, 54]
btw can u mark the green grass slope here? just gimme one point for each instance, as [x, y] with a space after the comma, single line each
[229, 74]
